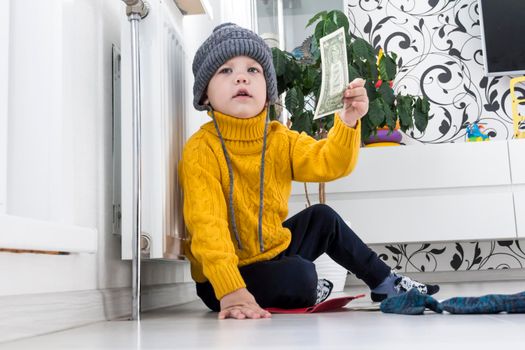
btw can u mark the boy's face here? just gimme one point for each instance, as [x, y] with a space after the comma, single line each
[238, 88]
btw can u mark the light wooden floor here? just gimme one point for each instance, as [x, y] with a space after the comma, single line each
[191, 326]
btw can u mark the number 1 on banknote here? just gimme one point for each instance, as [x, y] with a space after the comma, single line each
[334, 63]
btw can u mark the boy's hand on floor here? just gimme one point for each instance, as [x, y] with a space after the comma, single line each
[240, 305]
[355, 102]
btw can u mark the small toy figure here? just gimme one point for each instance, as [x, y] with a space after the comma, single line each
[474, 133]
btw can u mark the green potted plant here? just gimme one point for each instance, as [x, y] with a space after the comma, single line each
[299, 76]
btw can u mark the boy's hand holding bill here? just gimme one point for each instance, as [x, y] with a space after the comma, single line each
[354, 102]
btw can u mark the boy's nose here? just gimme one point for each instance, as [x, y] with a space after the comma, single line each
[241, 79]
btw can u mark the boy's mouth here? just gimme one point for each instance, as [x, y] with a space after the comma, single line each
[242, 93]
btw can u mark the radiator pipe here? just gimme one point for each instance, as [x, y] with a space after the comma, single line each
[136, 10]
[136, 6]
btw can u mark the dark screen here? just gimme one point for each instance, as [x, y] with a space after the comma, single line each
[503, 26]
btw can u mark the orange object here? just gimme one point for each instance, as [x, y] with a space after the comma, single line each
[383, 144]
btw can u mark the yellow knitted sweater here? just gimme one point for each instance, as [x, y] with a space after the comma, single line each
[211, 246]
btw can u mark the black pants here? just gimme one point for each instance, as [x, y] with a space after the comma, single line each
[290, 280]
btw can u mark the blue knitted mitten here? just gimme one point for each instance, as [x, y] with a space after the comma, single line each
[410, 303]
[487, 304]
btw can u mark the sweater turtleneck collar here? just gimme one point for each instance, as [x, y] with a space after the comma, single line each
[238, 129]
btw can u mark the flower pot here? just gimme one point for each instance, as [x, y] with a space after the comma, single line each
[384, 136]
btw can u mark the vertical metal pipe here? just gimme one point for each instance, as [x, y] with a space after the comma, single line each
[136, 10]
[134, 19]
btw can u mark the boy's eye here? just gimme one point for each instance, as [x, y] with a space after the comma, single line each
[253, 70]
[225, 70]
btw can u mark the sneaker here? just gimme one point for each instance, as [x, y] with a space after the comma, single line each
[324, 288]
[403, 284]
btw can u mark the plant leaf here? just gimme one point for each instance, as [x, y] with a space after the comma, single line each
[302, 122]
[294, 100]
[279, 61]
[421, 113]
[387, 93]
[371, 90]
[309, 75]
[340, 19]
[329, 27]
[390, 117]
[319, 31]
[316, 53]
[387, 68]
[376, 113]
[366, 130]
[361, 49]
[317, 16]
[404, 112]
[352, 73]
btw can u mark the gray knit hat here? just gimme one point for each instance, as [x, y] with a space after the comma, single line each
[227, 41]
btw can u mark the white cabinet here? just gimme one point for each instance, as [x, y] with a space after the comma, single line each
[517, 162]
[430, 193]
[428, 167]
[519, 202]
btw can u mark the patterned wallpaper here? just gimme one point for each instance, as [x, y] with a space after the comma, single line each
[440, 56]
[454, 256]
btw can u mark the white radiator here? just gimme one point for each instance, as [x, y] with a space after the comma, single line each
[162, 59]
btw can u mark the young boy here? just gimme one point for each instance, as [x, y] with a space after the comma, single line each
[236, 174]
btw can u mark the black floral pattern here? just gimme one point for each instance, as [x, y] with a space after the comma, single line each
[440, 56]
[453, 256]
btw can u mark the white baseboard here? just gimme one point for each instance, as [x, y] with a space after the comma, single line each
[30, 315]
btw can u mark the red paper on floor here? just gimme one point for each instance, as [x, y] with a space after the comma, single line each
[327, 305]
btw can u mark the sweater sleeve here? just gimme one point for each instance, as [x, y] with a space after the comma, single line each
[328, 159]
[206, 217]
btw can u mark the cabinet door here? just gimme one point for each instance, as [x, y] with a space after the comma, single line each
[425, 193]
[517, 162]
[452, 165]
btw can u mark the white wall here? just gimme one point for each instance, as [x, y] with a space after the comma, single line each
[4, 61]
[53, 109]
[59, 150]
[35, 128]
[296, 15]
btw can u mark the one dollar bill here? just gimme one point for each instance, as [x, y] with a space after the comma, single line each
[334, 63]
